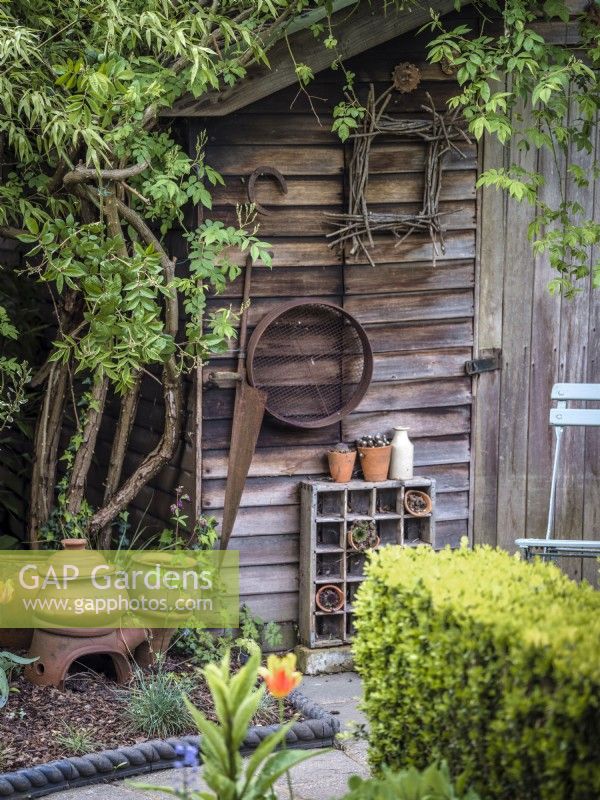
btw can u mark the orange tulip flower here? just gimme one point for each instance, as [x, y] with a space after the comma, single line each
[280, 675]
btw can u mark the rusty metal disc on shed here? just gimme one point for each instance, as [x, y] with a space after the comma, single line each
[314, 361]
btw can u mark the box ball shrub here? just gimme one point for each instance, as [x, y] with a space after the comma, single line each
[487, 662]
[433, 783]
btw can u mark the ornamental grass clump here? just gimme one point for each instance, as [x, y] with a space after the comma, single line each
[156, 704]
[484, 661]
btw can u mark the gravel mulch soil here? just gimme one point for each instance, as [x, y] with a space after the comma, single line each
[36, 719]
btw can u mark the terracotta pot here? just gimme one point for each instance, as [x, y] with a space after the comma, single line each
[56, 651]
[375, 462]
[341, 465]
[364, 545]
[74, 544]
[340, 598]
[422, 496]
[156, 644]
[57, 648]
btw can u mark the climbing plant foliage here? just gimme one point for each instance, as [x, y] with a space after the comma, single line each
[516, 85]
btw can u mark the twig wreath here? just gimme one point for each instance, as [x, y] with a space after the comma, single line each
[358, 225]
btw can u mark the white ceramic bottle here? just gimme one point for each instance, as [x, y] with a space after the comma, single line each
[403, 451]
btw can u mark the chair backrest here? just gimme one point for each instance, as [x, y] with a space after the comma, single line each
[563, 392]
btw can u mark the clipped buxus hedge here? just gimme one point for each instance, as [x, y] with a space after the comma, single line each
[487, 662]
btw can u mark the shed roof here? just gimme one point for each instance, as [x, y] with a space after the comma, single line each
[368, 25]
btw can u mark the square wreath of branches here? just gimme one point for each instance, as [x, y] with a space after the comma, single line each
[358, 225]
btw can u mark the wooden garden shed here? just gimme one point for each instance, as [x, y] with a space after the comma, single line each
[484, 438]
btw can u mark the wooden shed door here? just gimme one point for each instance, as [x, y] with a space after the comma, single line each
[419, 317]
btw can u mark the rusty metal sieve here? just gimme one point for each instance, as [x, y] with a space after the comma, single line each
[313, 360]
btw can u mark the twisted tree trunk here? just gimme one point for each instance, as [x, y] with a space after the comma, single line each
[85, 451]
[45, 451]
[118, 451]
[116, 497]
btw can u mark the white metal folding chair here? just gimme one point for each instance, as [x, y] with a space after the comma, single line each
[563, 417]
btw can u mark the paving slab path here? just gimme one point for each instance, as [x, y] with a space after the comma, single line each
[324, 777]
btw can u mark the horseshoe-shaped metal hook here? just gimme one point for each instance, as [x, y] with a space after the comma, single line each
[259, 172]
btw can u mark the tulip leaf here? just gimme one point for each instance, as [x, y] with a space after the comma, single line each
[246, 710]
[278, 764]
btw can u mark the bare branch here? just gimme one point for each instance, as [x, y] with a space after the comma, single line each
[83, 174]
[113, 223]
[45, 449]
[137, 194]
[83, 457]
[56, 180]
[154, 461]
[118, 451]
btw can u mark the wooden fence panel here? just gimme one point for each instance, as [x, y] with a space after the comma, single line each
[545, 339]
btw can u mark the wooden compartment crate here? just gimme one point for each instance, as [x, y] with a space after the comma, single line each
[328, 511]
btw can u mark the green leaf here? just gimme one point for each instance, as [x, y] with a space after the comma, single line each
[267, 746]
[244, 714]
[4, 688]
[557, 8]
[211, 733]
[14, 659]
[278, 764]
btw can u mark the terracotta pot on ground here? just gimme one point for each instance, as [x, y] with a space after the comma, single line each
[417, 503]
[375, 462]
[157, 644]
[341, 465]
[329, 598]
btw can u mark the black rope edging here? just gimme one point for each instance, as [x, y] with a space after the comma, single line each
[318, 729]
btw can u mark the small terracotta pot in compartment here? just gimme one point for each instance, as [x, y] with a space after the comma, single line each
[417, 503]
[329, 598]
[363, 536]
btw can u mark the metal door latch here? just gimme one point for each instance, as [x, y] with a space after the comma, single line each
[488, 361]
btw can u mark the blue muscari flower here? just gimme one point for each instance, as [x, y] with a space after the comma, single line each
[188, 756]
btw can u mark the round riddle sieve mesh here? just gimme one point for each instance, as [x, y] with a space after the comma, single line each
[313, 360]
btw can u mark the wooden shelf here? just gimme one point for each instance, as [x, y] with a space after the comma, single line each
[340, 506]
[319, 613]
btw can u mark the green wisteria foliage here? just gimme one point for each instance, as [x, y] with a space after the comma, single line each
[502, 76]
